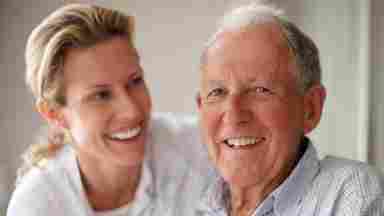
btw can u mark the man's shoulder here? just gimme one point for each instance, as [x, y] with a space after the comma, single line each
[345, 187]
[352, 170]
[350, 176]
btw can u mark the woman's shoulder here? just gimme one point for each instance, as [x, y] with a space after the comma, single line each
[46, 168]
[31, 194]
[35, 192]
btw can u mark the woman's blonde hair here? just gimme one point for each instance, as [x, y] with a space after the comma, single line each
[71, 26]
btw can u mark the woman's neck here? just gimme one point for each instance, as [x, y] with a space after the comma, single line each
[107, 185]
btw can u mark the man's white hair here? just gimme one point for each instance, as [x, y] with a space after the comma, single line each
[303, 48]
[254, 13]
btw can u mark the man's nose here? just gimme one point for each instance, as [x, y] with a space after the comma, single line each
[237, 110]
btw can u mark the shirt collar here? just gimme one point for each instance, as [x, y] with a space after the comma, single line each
[215, 198]
[283, 198]
[292, 190]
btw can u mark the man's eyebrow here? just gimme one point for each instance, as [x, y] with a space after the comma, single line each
[214, 82]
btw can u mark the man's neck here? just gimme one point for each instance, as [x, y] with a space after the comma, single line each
[244, 200]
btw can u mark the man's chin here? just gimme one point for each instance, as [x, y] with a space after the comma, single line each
[238, 179]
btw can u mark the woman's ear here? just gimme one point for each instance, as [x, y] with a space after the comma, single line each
[198, 101]
[52, 114]
[313, 107]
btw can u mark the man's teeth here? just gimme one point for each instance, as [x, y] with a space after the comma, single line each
[243, 141]
[126, 134]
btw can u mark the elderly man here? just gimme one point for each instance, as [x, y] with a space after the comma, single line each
[261, 94]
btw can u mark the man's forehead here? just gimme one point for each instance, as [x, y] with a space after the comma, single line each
[262, 43]
[254, 35]
[256, 53]
[221, 77]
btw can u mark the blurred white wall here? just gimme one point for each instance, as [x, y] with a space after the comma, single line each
[376, 145]
[170, 36]
[18, 122]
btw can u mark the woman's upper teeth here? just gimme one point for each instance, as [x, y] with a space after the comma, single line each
[243, 141]
[127, 134]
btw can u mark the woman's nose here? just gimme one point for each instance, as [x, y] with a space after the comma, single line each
[128, 107]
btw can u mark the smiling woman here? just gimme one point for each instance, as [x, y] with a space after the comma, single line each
[108, 105]
[106, 155]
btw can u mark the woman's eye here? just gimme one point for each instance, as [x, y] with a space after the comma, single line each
[137, 81]
[102, 95]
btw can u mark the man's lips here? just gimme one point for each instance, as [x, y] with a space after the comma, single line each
[243, 141]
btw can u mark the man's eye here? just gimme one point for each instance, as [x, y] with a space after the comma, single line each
[216, 93]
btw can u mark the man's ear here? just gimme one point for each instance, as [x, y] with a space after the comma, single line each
[313, 107]
[53, 115]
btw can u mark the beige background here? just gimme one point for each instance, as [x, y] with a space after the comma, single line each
[170, 36]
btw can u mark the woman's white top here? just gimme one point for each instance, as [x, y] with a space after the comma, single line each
[175, 172]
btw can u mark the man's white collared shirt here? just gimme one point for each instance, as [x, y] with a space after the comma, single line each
[328, 187]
